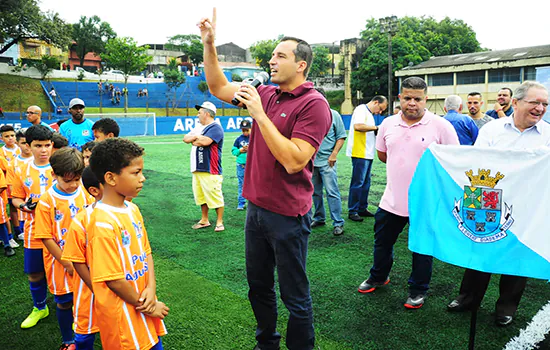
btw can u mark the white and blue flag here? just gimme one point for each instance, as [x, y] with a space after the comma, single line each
[486, 209]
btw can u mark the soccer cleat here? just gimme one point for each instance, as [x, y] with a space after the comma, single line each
[67, 347]
[13, 243]
[21, 236]
[415, 302]
[35, 316]
[369, 286]
[8, 251]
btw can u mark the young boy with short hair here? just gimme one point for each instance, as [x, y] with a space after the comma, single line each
[7, 153]
[4, 234]
[121, 264]
[105, 128]
[54, 215]
[59, 141]
[34, 179]
[85, 317]
[87, 151]
[240, 150]
[17, 216]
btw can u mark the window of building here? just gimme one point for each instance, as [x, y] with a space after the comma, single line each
[504, 75]
[530, 73]
[476, 77]
[48, 51]
[440, 79]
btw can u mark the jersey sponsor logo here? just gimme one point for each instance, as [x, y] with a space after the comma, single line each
[125, 236]
[58, 215]
[74, 210]
[28, 181]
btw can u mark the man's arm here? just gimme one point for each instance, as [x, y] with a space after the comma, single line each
[364, 127]
[202, 141]
[216, 80]
[383, 156]
[337, 147]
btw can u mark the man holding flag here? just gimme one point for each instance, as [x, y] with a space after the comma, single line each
[524, 129]
[401, 140]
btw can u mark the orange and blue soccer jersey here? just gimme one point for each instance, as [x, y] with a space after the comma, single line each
[75, 250]
[13, 171]
[53, 217]
[119, 248]
[3, 214]
[7, 156]
[32, 182]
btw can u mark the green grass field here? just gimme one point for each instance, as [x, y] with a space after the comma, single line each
[201, 276]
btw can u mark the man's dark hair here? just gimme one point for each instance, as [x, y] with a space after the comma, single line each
[475, 93]
[89, 179]
[303, 52]
[106, 126]
[379, 99]
[511, 93]
[414, 83]
[67, 162]
[89, 146]
[113, 155]
[59, 141]
[38, 133]
[19, 134]
[5, 128]
[321, 91]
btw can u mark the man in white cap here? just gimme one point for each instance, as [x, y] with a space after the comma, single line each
[78, 130]
[206, 165]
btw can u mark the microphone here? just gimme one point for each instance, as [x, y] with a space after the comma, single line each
[260, 79]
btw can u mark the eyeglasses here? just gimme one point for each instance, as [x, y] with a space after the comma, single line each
[536, 103]
[32, 112]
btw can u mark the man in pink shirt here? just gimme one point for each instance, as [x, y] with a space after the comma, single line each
[401, 141]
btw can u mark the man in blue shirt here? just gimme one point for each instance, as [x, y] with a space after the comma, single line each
[465, 127]
[78, 130]
[34, 116]
[503, 106]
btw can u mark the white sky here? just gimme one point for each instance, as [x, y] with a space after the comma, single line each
[245, 22]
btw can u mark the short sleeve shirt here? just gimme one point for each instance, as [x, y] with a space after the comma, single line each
[404, 145]
[208, 159]
[77, 134]
[504, 134]
[336, 132]
[361, 144]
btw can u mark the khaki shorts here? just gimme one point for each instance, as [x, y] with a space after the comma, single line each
[207, 188]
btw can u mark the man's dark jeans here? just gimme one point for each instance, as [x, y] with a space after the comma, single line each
[278, 241]
[387, 227]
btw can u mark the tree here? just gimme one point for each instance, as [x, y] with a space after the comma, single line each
[125, 55]
[22, 19]
[189, 44]
[46, 65]
[416, 40]
[321, 61]
[173, 79]
[90, 35]
[262, 50]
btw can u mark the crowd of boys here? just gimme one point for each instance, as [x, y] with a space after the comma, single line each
[84, 240]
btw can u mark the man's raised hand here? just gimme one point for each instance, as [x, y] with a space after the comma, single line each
[208, 29]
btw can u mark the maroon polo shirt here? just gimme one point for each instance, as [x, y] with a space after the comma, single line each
[304, 114]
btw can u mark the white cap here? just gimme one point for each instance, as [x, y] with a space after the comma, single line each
[207, 105]
[76, 102]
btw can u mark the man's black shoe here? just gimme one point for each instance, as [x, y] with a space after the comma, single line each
[457, 306]
[338, 231]
[355, 217]
[366, 214]
[503, 321]
[257, 347]
[317, 224]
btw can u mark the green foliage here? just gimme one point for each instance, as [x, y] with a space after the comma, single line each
[90, 35]
[173, 78]
[22, 19]
[416, 40]
[236, 77]
[321, 61]
[203, 86]
[335, 99]
[189, 44]
[46, 65]
[125, 55]
[262, 50]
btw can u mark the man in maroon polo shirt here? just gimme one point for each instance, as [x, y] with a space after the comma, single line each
[290, 122]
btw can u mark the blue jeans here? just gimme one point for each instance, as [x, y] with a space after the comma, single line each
[326, 175]
[278, 241]
[359, 186]
[387, 227]
[240, 177]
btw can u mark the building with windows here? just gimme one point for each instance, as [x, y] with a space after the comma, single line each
[485, 72]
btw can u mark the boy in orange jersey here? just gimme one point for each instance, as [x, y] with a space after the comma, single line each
[17, 217]
[54, 215]
[7, 153]
[85, 318]
[34, 179]
[121, 265]
[4, 236]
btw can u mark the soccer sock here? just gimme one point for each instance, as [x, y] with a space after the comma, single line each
[4, 235]
[17, 230]
[39, 292]
[65, 320]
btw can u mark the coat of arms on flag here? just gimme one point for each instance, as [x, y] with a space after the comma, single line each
[480, 215]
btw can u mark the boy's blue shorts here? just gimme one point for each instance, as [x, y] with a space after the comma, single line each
[34, 261]
[63, 298]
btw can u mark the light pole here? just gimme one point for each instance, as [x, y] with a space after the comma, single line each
[332, 50]
[389, 25]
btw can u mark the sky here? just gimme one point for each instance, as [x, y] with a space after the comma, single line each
[246, 22]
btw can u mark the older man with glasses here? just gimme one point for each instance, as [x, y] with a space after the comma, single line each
[34, 116]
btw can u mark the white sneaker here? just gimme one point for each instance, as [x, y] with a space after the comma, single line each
[13, 243]
[21, 237]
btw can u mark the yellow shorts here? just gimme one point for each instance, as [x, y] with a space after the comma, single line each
[207, 188]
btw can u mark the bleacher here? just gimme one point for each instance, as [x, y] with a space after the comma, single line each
[187, 95]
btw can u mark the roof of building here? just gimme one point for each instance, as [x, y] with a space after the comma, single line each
[521, 53]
